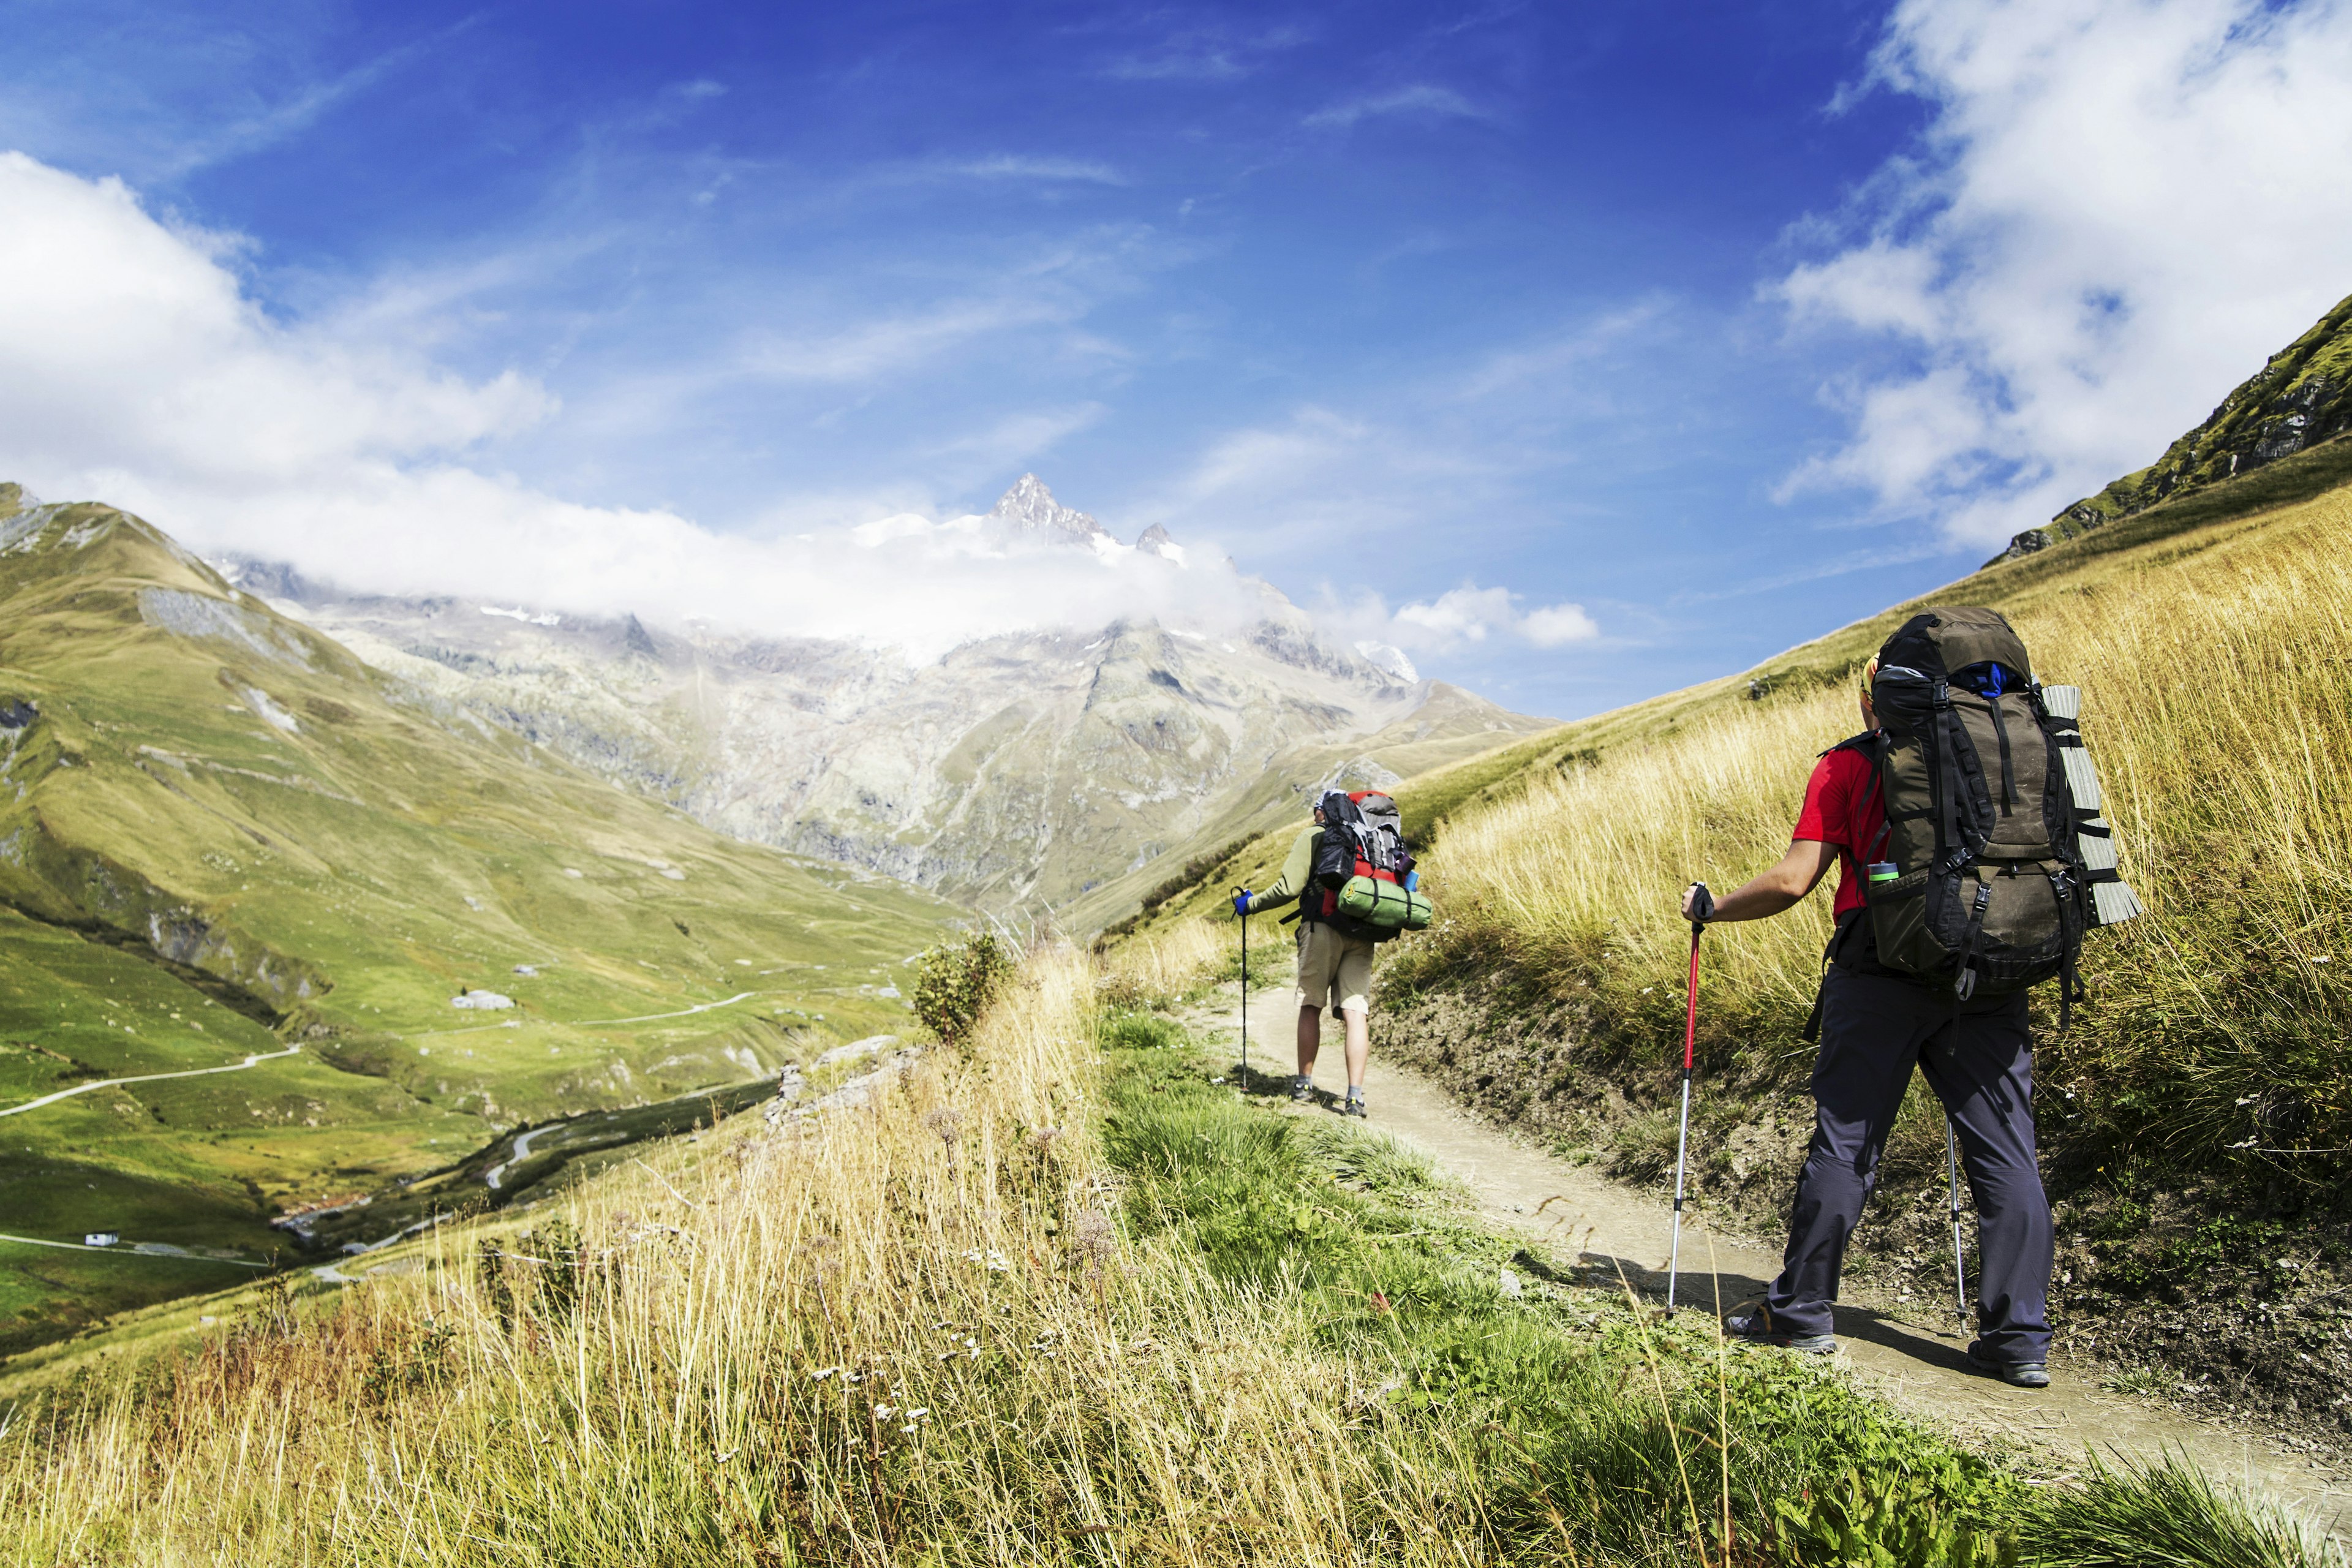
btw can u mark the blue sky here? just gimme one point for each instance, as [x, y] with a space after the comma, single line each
[1726, 325]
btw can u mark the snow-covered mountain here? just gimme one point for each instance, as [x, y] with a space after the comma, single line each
[1018, 771]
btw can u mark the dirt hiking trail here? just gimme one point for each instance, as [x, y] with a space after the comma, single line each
[1910, 1352]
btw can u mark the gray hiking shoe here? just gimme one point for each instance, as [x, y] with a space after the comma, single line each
[1302, 1089]
[2016, 1373]
[1353, 1106]
[1753, 1325]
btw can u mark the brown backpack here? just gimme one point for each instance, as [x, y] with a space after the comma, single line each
[1980, 880]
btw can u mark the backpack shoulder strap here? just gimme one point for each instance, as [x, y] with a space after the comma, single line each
[1870, 743]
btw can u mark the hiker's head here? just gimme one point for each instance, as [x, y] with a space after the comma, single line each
[1869, 710]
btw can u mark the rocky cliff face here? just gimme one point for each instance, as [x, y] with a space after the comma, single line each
[2301, 397]
[1017, 771]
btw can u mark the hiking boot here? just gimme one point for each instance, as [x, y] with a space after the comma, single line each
[2016, 1373]
[1753, 1325]
[1302, 1089]
[1352, 1106]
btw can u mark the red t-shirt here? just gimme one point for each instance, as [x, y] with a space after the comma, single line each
[1842, 807]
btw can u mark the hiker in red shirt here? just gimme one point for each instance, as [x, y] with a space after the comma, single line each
[1877, 1022]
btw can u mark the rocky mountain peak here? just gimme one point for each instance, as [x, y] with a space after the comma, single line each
[1155, 540]
[1030, 507]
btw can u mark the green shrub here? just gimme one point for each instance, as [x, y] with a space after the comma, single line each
[955, 982]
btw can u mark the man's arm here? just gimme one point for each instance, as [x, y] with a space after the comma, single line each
[1294, 872]
[1770, 891]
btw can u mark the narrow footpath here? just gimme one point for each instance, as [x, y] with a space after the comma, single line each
[1908, 1351]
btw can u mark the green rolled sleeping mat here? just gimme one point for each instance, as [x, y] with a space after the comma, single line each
[1383, 903]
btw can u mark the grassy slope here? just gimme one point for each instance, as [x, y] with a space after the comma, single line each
[1043, 1305]
[2195, 1139]
[329, 862]
[2194, 1122]
[1430, 797]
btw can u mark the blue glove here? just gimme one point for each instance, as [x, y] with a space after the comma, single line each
[1240, 903]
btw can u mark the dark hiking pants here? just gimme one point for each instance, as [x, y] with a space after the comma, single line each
[1978, 1059]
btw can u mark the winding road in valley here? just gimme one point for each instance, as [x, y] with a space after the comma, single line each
[147, 1078]
[258, 1057]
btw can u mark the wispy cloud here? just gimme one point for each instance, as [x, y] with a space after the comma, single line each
[878, 347]
[304, 108]
[1421, 97]
[1509, 369]
[1008, 166]
[1204, 55]
[1018, 440]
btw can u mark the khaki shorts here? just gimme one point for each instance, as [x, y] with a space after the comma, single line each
[1334, 970]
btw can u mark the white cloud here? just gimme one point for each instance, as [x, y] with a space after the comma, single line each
[1418, 98]
[134, 369]
[1459, 618]
[2122, 207]
[1556, 626]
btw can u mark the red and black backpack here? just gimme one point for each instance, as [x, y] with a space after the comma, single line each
[1359, 883]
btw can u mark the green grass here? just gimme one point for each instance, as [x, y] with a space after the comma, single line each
[1039, 1305]
[184, 881]
[1577, 1425]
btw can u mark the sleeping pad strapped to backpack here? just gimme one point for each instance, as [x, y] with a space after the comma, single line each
[1980, 880]
[1361, 866]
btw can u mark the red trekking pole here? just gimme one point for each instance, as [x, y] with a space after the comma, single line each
[1702, 906]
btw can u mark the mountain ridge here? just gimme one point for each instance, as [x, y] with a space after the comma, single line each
[225, 839]
[1024, 772]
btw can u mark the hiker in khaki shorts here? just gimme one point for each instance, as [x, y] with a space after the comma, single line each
[1334, 971]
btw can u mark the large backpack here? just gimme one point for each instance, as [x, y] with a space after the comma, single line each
[1994, 858]
[1362, 866]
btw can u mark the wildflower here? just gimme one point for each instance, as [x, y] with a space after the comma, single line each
[882, 1412]
[821, 1373]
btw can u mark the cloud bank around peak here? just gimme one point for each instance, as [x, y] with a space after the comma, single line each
[135, 368]
[2120, 208]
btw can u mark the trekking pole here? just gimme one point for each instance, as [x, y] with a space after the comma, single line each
[1704, 903]
[1244, 1005]
[1960, 1269]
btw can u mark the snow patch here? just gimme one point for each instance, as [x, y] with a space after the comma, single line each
[523, 616]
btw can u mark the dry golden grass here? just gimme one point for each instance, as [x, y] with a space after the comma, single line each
[909, 1332]
[2218, 707]
[1168, 960]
